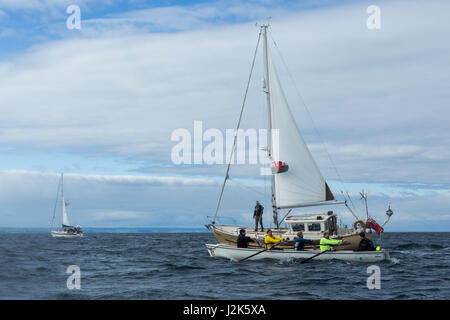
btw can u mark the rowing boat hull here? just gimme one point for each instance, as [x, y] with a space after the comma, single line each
[237, 254]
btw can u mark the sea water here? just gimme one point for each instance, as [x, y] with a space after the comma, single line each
[177, 266]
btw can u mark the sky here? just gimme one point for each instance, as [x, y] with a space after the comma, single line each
[100, 104]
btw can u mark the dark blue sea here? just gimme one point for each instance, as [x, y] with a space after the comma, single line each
[177, 266]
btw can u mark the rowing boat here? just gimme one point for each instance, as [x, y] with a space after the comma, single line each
[237, 254]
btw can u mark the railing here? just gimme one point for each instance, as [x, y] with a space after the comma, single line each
[219, 219]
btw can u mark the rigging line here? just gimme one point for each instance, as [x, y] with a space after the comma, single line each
[349, 209]
[246, 187]
[264, 166]
[56, 202]
[237, 127]
[286, 215]
[353, 205]
[309, 114]
[351, 202]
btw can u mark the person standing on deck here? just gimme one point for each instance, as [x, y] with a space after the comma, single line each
[257, 214]
[326, 243]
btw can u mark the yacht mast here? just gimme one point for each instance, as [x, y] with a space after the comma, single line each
[62, 195]
[269, 114]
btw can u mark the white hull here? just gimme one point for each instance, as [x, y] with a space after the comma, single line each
[62, 234]
[237, 254]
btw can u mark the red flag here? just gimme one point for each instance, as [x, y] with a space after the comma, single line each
[67, 204]
[279, 167]
[372, 224]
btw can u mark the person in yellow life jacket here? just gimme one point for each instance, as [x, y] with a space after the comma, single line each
[326, 243]
[271, 240]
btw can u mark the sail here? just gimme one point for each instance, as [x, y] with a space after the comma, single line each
[65, 218]
[302, 183]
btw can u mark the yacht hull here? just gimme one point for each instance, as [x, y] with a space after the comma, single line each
[62, 234]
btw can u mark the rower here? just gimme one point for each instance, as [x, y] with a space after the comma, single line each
[243, 240]
[365, 244]
[326, 243]
[299, 241]
[271, 240]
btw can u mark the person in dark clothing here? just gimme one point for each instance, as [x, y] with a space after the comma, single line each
[242, 240]
[299, 242]
[257, 214]
[365, 244]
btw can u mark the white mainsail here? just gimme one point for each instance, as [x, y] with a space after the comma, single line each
[303, 183]
[65, 218]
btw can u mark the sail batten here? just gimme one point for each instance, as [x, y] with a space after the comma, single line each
[303, 183]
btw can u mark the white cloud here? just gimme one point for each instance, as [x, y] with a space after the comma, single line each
[379, 98]
[186, 17]
[124, 94]
[28, 199]
[150, 180]
[119, 215]
[43, 5]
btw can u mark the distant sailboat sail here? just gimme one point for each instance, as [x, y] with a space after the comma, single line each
[65, 218]
[303, 183]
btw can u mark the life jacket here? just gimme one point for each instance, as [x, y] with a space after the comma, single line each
[270, 241]
[325, 243]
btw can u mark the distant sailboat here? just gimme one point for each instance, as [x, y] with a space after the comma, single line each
[67, 230]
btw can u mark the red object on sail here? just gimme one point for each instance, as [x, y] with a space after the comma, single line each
[372, 224]
[279, 166]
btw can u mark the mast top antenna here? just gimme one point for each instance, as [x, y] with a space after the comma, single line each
[264, 25]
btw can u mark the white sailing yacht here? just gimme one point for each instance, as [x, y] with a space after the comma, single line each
[296, 181]
[67, 230]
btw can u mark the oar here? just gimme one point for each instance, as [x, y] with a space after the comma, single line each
[256, 240]
[303, 261]
[331, 247]
[262, 251]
